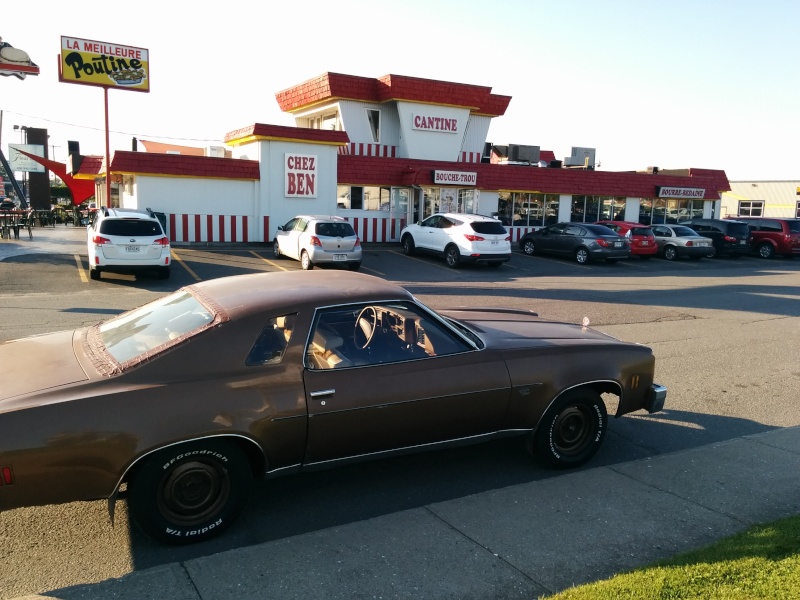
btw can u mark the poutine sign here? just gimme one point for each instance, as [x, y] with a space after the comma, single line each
[89, 62]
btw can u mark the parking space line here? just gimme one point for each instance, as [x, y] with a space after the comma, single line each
[81, 272]
[179, 260]
[269, 262]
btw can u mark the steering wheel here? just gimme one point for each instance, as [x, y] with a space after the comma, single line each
[366, 324]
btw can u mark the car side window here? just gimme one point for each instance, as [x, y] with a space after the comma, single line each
[364, 335]
[431, 221]
[272, 341]
[445, 223]
[574, 230]
[660, 231]
[301, 225]
[290, 225]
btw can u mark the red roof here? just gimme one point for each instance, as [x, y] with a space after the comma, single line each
[260, 131]
[329, 87]
[177, 165]
[362, 170]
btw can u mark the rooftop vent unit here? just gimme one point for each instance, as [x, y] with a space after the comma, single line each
[580, 157]
[523, 154]
[216, 151]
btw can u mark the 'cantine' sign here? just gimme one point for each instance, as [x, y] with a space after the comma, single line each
[99, 63]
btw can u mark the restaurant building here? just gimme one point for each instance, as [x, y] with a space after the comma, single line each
[384, 152]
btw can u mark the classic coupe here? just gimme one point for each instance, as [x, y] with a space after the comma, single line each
[177, 405]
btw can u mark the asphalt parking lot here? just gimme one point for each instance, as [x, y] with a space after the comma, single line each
[720, 330]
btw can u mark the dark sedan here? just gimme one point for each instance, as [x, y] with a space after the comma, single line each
[182, 402]
[581, 241]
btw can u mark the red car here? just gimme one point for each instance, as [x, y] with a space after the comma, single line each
[642, 240]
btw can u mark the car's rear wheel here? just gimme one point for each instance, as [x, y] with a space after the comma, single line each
[645, 256]
[354, 266]
[276, 250]
[528, 247]
[611, 261]
[572, 429]
[163, 272]
[494, 264]
[94, 273]
[766, 250]
[305, 261]
[670, 253]
[582, 256]
[452, 256]
[408, 245]
[190, 492]
[712, 252]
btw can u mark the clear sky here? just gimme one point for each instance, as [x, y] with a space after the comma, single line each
[683, 83]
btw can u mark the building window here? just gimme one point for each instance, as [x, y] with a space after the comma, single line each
[527, 210]
[653, 211]
[797, 210]
[374, 118]
[358, 197]
[588, 209]
[751, 208]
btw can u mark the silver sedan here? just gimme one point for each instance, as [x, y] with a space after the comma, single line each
[678, 240]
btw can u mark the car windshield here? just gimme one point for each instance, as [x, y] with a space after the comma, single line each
[142, 330]
[335, 229]
[684, 231]
[130, 227]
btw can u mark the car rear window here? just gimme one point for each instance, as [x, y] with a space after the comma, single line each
[738, 229]
[641, 231]
[684, 231]
[489, 227]
[794, 226]
[335, 229]
[130, 227]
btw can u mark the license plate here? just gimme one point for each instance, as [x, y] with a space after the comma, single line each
[495, 242]
[645, 243]
[131, 248]
[340, 257]
[703, 244]
[617, 244]
[742, 242]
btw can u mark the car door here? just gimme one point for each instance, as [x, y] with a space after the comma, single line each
[662, 235]
[286, 237]
[386, 401]
[549, 238]
[428, 232]
[570, 239]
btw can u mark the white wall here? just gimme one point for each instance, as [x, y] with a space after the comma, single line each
[431, 145]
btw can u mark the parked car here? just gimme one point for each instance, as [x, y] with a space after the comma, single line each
[318, 240]
[182, 401]
[123, 240]
[641, 238]
[773, 236]
[675, 241]
[582, 241]
[730, 238]
[459, 238]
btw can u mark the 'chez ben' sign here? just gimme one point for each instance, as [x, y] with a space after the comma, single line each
[300, 176]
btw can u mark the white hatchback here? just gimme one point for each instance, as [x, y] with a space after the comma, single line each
[122, 240]
[317, 240]
[459, 238]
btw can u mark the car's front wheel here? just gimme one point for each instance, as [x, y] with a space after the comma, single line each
[528, 247]
[452, 256]
[572, 430]
[190, 492]
[276, 249]
[305, 261]
[408, 245]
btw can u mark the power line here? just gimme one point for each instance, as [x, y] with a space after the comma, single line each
[137, 135]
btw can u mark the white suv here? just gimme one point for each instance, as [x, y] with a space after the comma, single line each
[459, 238]
[123, 240]
[317, 240]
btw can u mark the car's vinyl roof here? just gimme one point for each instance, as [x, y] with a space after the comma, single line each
[293, 289]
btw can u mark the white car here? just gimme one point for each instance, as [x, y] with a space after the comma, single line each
[122, 240]
[459, 238]
[316, 240]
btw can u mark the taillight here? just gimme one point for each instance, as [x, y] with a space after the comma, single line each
[728, 238]
[508, 238]
[602, 242]
[690, 243]
[473, 238]
[99, 240]
[315, 241]
[6, 476]
[162, 241]
[358, 243]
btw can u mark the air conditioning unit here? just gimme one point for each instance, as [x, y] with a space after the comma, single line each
[581, 157]
[216, 151]
[526, 154]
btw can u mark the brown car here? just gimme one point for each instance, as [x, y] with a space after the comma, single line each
[181, 402]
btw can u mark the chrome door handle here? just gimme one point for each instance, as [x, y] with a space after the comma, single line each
[322, 393]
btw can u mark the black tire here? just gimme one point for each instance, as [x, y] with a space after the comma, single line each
[766, 250]
[495, 264]
[582, 256]
[611, 261]
[276, 251]
[409, 248]
[94, 273]
[163, 272]
[645, 256]
[670, 253]
[528, 247]
[452, 256]
[572, 430]
[354, 266]
[305, 261]
[190, 492]
[712, 253]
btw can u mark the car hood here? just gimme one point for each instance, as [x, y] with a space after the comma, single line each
[501, 328]
[38, 363]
